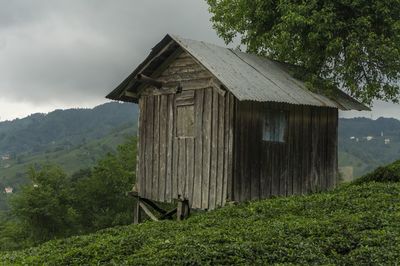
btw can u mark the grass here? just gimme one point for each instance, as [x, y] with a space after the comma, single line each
[354, 224]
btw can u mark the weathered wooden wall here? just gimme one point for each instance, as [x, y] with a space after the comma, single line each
[197, 168]
[226, 157]
[306, 162]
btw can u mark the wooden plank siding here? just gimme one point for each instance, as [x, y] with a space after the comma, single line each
[224, 157]
[305, 162]
[198, 167]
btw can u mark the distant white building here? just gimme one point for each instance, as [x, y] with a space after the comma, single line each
[369, 138]
[387, 141]
[5, 157]
[352, 137]
[8, 190]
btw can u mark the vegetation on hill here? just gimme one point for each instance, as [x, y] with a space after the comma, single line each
[70, 160]
[388, 173]
[280, 231]
[56, 205]
[74, 139]
[63, 129]
[354, 224]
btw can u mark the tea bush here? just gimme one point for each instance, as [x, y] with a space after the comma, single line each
[388, 173]
[354, 224]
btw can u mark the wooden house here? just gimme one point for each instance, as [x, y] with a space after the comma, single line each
[219, 125]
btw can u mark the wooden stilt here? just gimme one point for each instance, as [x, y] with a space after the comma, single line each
[146, 206]
[136, 215]
[179, 210]
[186, 209]
[183, 210]
[147, 211]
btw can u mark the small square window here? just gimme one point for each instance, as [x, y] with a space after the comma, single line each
[185, 121]
[275, 126]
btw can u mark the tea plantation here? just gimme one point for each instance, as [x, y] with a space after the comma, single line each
[356, 224]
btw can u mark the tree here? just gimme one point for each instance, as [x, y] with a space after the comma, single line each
[101, 196]
[350, 44]
[44, 206]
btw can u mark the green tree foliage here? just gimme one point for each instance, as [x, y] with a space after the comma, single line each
[55, 205]
[44, 207]
[101, 195]
[354, 44]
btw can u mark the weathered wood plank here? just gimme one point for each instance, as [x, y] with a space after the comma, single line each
[140, 184]
[183, 62]
[156, 151]
[147, 211]
[175, 154]
[296, 150]
[190, 83]
[254, 144]
[170, 138]
[190, 157]
[181, 167]
[231, 159]
[221, 177]
[324, 148]
[335, 151]
[178, 74]
[163, 146]
[306, 149]
[329, 148]
[242, 150]
[207, 120]
[198, 175]
[314, 147]
[236, 186]
[136, 212]
[149, 145]
[214, 150]
[184, 70]
[290, 142]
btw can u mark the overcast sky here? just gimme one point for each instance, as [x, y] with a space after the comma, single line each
[60, 54]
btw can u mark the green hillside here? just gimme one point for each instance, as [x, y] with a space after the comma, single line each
[74, 139]
[356, 224]
[71, 160]
[62, 129]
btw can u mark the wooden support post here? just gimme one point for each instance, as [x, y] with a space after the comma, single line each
[182, 211]
[147, 211]
[136, 213]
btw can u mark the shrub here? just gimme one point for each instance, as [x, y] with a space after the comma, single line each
[388, 173]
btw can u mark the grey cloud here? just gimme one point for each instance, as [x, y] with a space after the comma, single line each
[80, 50]
[76, 51]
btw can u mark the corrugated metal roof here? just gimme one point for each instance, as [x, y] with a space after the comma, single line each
[255, 78]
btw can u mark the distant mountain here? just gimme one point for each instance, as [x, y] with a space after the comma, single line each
[365, 144]
[73, 139]
[365, 126]
[63, 128]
